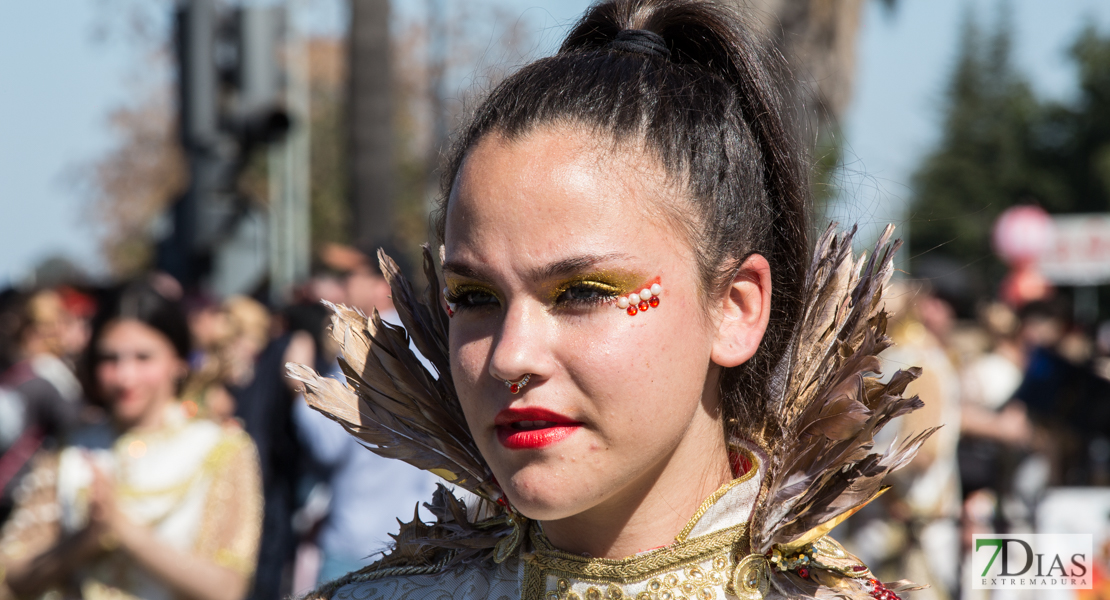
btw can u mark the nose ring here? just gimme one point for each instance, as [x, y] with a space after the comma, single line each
[516, 386]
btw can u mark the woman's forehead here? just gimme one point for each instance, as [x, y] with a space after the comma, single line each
[131, 333]
[555, 182]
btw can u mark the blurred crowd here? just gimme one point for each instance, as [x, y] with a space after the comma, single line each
[151, 445]
[1022, 395]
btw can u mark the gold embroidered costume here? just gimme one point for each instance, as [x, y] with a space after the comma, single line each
[807, 465]
[196, 485]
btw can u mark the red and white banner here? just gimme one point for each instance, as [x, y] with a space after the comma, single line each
[1080, 250]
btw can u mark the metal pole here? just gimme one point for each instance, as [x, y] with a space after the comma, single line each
[289, 182]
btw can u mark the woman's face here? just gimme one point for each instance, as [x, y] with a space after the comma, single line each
[137, 370]
[543, 234]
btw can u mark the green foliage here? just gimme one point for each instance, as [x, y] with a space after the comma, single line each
[982, 164]
[1002, 146]
[1075, 137]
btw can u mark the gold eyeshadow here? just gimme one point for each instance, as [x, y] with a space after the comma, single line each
[613, 283]
[457, 290]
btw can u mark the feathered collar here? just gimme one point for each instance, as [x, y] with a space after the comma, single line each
[827, 404]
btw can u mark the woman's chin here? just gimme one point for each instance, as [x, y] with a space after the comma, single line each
[543, 495]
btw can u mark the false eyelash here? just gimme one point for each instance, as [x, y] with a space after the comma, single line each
[606, 293]
[453, 297]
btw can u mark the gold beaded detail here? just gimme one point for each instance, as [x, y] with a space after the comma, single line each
[694, 582]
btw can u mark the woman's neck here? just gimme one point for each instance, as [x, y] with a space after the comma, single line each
[654, 508]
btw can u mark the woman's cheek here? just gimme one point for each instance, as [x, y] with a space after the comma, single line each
[107, 379]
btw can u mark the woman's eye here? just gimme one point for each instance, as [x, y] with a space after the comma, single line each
[472, 299]
[586, 293]
[107, 357]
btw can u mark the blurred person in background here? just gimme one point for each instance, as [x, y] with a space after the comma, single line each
[232, 334]
[264, 405]
[41, 396]
[368, 493]
[363, 284]
[248, 323]
[994, 429]
[147, 503]
[914, 529]
[1065, 400]
[990, 379]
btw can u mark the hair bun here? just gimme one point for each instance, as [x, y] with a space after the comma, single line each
[641, 41]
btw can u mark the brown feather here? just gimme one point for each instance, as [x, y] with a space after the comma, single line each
[392, 402]
[830, 403]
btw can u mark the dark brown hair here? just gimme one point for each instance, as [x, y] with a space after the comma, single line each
[710, 106]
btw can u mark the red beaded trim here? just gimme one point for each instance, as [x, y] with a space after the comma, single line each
[881, 592]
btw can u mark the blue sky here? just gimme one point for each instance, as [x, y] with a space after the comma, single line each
[58, 84]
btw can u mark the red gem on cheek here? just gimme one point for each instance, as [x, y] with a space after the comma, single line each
[632, 310]
[643, 305]
[654, 301]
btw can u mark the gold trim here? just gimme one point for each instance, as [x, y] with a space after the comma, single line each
[546, 562]
[534, 584]
[720, 493]
[635, 568]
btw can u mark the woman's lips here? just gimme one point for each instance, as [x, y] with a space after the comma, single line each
[530, 428]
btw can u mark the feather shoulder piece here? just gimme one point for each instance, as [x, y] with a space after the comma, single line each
[826, 407]
[398, 408]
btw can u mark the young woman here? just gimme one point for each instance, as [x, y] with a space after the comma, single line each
[150, 505]
[636, 372]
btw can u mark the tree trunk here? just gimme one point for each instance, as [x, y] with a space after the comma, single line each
[370, 125]
[818, 38]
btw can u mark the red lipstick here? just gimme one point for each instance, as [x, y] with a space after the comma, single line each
[531, 428]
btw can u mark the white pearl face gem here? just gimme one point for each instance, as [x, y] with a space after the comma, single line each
[646, 296]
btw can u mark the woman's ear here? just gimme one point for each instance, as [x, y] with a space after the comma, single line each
[745, 310]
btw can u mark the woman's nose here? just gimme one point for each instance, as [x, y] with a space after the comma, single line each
[125, 370]
[520, 347]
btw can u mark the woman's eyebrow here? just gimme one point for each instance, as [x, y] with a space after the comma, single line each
[560, 268]
[572, 266]
[462, 270]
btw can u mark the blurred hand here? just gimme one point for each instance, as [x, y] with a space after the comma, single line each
[1013, 424]
[107, 524]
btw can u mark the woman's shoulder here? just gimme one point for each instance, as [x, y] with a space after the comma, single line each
[462, 553]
